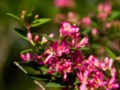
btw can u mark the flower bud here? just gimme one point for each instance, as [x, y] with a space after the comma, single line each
[36, 38]
[94, 31]
[29, 36]
[23, 57]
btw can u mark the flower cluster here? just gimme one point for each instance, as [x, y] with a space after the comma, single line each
[65, 58]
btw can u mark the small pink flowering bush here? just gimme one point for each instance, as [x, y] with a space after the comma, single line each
[63, 62]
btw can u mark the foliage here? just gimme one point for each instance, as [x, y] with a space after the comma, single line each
[70, 61]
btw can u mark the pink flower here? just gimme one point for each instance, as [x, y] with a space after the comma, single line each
[83, 42]
[106, 8]
[67, 30]
[83, 78]
[64, 3]
[56, 50]
[39, 59]
[28, 57]
[102, 16]
[78, 58]
[63, 68]
[66, 68]
[111, 84]
[86, 21]
[107, 64]
[108, 25]
[97, 79]
[94, 31]
[104, 11]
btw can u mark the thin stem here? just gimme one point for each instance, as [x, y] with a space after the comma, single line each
[36, 82]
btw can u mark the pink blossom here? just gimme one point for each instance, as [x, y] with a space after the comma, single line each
[67, 29]
[67, 68]
[39, 59]
[94, 31]
[83, 42]
[36, 38]
[28, 57]
[108, 25]
[106, 8]
[86, 21]
[64, 68]
[111, 84]
[64, 3]
[104, 11]
[107, 64]
[82, 77]
[29, 36]
[56, 50]
[102, 16]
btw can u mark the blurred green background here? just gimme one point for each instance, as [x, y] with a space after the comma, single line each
[11, 78]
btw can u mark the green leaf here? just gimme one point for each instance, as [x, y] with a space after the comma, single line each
[27, 50]
[48, 38]
[94, 24]
[38, 22]
[12, 15]
[73, 48]
[86, 31]
[32, 71]
[114, 15]
[44, 69]
[53, 84]
[95, 46]
[76, 81]
[84, 48]
[38, 79]
[110, 53]
[21, 33]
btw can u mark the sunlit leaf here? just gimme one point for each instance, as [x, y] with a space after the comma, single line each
[84, 48]
[110, 53]
[52, 84]
[38, 22]
[44, 69]
[86, 31]
[27, 50]
[114, 15]
[76, 81]
[12, 15]
[94, 24]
